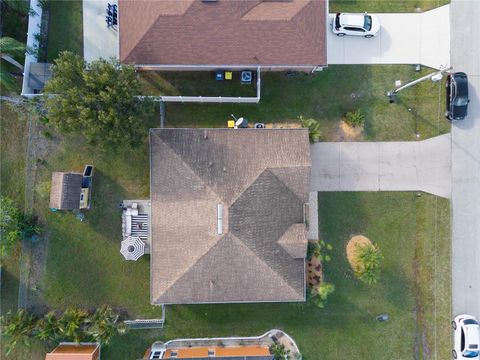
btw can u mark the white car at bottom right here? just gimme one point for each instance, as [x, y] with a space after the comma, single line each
[466, 337]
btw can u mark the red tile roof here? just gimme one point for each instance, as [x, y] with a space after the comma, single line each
[223, 32]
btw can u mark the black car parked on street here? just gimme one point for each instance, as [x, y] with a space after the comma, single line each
[457, 96]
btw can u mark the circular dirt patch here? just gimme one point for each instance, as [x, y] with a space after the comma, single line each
[355, 241]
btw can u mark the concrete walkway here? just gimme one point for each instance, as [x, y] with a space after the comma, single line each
[466, 163]
[99, 41]
[383, 166]
[410, 38]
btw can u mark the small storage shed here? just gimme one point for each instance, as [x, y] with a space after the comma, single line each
[73, 351]
[65, 191]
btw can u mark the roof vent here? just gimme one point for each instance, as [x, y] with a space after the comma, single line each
[209, 1]
[219, 219]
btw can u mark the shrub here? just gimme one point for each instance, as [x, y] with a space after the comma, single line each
[322, 293]
[18, 328]
[279, 352]
[369, 258]
[319, 250]
[13, 225]
[355, 118]
[313, 127]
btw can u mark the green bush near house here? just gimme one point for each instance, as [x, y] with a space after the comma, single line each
[355, 118]
[313, 127]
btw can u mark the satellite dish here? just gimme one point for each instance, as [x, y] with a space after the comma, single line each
[239, 122]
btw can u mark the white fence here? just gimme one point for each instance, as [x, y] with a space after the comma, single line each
[146, 323]
[34, 23]
[213, 99]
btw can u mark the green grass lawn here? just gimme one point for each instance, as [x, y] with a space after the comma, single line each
[65, 28]
[327, 96]
[408, 229]
[384, 5]
[193, 83]
[13, 142]
[84, 265]
[13, 129]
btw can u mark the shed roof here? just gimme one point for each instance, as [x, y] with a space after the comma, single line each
[261, 177]
[223, 32]
[69, 351]
[65, 190]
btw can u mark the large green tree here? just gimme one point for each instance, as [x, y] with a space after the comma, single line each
[98, 99]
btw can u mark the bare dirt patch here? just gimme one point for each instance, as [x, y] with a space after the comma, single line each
[344, 132]
[283, 125]
[352, 245]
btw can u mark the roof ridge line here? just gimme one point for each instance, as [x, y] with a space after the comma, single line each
[276, 177]
[190, 267]
[268, 267]
[178, 156]
[241, 243]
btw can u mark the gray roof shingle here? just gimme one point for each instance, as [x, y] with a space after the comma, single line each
[261, 178]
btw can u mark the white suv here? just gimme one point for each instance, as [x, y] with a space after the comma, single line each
[355, 24]
[466, 337]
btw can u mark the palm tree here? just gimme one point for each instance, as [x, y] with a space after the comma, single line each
[104, 325]
[47, 328]
[72, 323]
[9, 49]
[369, 258]
[313, 127]
[18, 328]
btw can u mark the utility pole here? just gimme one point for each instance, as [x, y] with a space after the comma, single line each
[436, 76]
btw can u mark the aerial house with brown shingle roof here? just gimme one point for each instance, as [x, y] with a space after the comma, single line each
[223, 34]
[228, 215]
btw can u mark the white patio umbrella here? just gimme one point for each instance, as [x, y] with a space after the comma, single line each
[132, 248]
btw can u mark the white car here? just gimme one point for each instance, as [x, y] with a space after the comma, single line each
[355, 24]
[466, 337]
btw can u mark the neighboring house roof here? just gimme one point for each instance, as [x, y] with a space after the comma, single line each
[65, 191]
[223, 32]
[72, 351]
[261, 178]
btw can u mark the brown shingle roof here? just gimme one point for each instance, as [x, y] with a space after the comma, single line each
[65, 191]
[261, 177]
[225, 32]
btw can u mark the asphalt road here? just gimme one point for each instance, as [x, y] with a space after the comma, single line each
[383, 166]
[465, 56]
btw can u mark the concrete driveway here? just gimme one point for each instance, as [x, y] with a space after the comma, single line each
[466, 163]
[410, 38]
[383, 166]
[99, 41]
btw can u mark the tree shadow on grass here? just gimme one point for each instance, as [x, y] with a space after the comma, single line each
[104, 215]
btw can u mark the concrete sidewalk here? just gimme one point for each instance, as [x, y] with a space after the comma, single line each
[410, 38]
[383, 166]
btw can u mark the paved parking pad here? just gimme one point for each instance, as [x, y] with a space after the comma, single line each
[99, 40]
[408, 38]
[383, 166]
